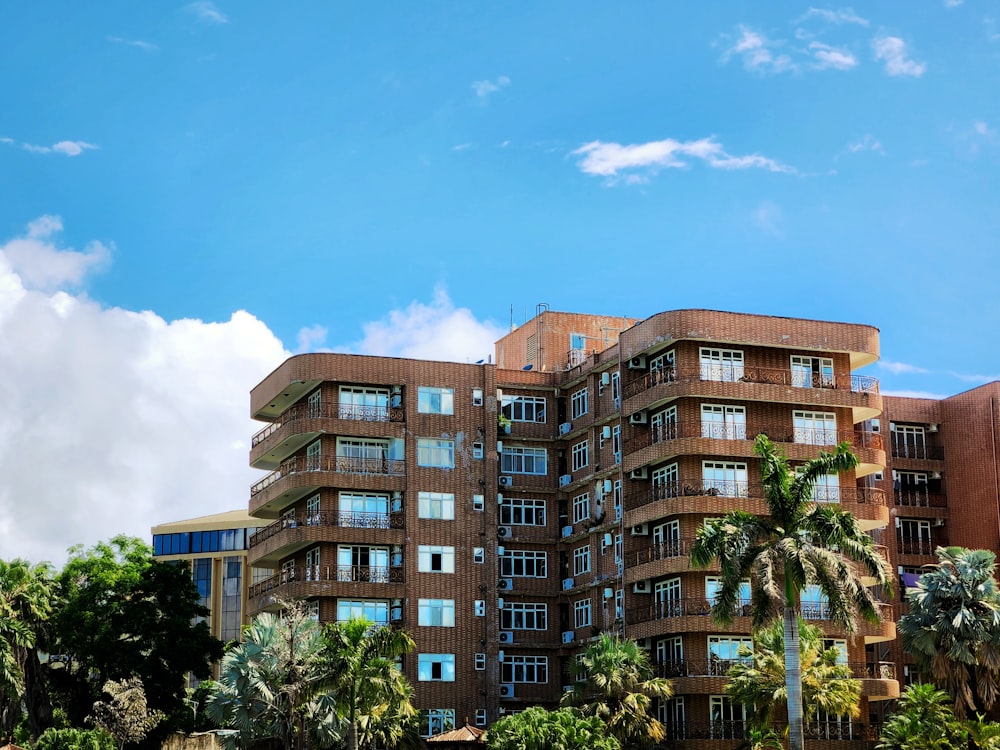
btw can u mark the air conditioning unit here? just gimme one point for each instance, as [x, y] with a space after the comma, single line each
[567, 531]
[499, 446]
[644, 643]
[640, 473]
[642, 587]
[567, 584]
[939, 522]
[608, 593]
[397, 502]
[567, 688]
[641, 529]
[607, 485]
[637, 363]
[505, 584]
[504, 532]
[932, 428]
[568, 636]
[565, 479]
[506, 481]
[506, 637]
[500, 656]
[565, 427]
[396, 614]
[397, 560]
[606, 540]
[605, 378]
[506, 691]
[638, 418]
[500, 602]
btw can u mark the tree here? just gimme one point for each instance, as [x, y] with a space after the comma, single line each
[275, 682]
[796, 545]
[372, 693]
[26, 596]
[758, 680]
[923, 721]
[538, 729]
[124, 614]
[618, 687]
[953, 627]
[126, 717]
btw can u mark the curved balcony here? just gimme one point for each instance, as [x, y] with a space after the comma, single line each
[682, 615]
[304, 422]
[290, 534]
[300, 475]
[859, 392]
[360, 581]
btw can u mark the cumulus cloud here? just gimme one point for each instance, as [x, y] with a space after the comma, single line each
[115, 420]
[838, 16]
[757, 53]
[310, 339]
[437, 330]
[483, 89]
[892, 51]
[826, 57]
[137, 43]
[206, 11]
[634, 162]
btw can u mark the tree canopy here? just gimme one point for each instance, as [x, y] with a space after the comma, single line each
[538, 729]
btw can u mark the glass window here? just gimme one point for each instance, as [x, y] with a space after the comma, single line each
[725, 365]
[581, 507]
[366, 404]
[581, 455]
[533, 669]
[435, 559]
[435, 400]
[436, 612]
[523, 408]
[436, 720]
[579, 403]
[522, 511]
[812, 372]
[722, 422]
[439, 505]
[524, 616]
[363, 510]
[436, 453]
[723, 652]
[581, 613]
[581, 560]
[814, 427]
[519, 563]
[516, 460]
[724, 478]
[436, 667]
[373, 610]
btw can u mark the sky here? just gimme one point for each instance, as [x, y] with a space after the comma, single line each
[192, 191]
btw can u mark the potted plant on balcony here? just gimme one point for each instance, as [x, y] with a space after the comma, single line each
[503, 423]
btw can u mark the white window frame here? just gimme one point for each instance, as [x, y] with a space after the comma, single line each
[314, 403]
[373, 610]
[579, 403]
[436, 453]
[517, 668]
[663, 425]
[812, 372]
[435, 400]
[363, 510]
[723, 422]
[581, 613]
[426, 667]
[479, 662]
[616, 386]
[313, 510]
[529, 409]
[721, 365]
[581, 560]
[522, 511]
[723, 652]
[433, 558]
[479, 555]
[312, 564]
[616, 442]
[522, 460]
[580, 455]
[478, 450]
[814, 427]
[581, 507]
[617, 499]
[363, 404]
[477, 396]
[524, 563]
[524, 616]
[436, 505]
[725, 478]
[314, 456]
[436, 613]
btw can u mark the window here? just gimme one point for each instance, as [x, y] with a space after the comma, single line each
[724, 478]
[362, 456]
[477, 396]
[840, 645]
[712, 586]
[363, 510]
[436, 720]
[479, 607]
[524, 616]
[374, 610]
[520, 563]
[670, 650]
[908, 441]
[815, 605]
[671, 715]
[725, 365]
[366, 404]
[915, 537]
[581, 560]
[314, 404]
[312, 511]
[477, 450]
[617, 499]
[436, 453]
[663, 425]
[727, 719]
[616, 442]
[478, 502]
[314, 456]
[667, 540]
[440, 505]
[479, 555]
[432, 559]
[581, 507]
[581, 613]
[312, 610]
[661, 368]
[435, 400]
[523, 461]
[581, 455]
[579, 403]
[812, 372]
[516, 668]
[480, 717]
[723, 422]
[616, 390]
[619, 603]
[312, 564]
[480, 662]
[523, 408]
[363, 564]
[827, 489]
[814, 427]
[723, 652]
[436, 667]
[436, 612]
[911, 488]
[522, 511]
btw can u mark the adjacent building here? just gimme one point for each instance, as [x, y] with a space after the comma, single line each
[506, 514]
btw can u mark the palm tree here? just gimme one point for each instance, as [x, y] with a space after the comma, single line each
[371, 691]
[798, 544]
[757, 681]
[923, 720]
[618, 686]
[953, 627]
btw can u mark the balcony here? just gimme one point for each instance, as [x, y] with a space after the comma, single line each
[918, 546]
[919, 497]
[713, 731]
[680, 607]
[744, 374]
[918, 451]
[289, 534]
[361, 581]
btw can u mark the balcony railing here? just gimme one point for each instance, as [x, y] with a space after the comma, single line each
[743, 374]
[341, 464]
[329, 411]
[666, 550]
[779, 434]
[324, 573]
[713, 667]
[834, 730]
[687, 607]
[711, 487]
[906, 546]
[342, 519]
[921, 451]
[919, 497]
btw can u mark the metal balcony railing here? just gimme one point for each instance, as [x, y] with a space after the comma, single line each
[908, 546]
[341, 464]
[711, 487]
[743, 374]
[917, 450]
[687, 607]
[659, 433]
[833, 730]
[918, 497]
[342, 519]
[356, 412]
[715, 667]
[326, 573]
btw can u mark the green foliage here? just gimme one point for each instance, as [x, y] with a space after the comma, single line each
[758, 681]
[618, 687]
[126, 717]
[125, 614]
[953, 627]
[923, 721]
[75, 739]
[538, 729]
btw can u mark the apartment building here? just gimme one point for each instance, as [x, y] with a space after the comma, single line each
[506, 514]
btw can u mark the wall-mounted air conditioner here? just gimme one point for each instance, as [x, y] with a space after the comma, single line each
[567, 531]
[504, 532]
[568, 636]
[567, 584]
[506, 637]
[505, 584]
[506, 691]
[640, 473]
[506, 481]
[565, 479]
[565, 427]
[641, 529]
[637, 363]
[605, 378]
[642, 587]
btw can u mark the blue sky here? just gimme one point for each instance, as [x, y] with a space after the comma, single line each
[395, 178]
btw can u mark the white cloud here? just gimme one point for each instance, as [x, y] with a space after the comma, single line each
[138, 43]
[952, 3]
[756, 51]
[839, 16]
[640, 159]
[41, 264]
[67, 148]
[826, 57]
[115, 420]
[974, 378]
[867, 143]
[310, 339]
[892, 51]
[483, 89]
[981, 128]
[900, 368]
[206, 11]
[768, 217]
[437, 330]
[461, 147]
